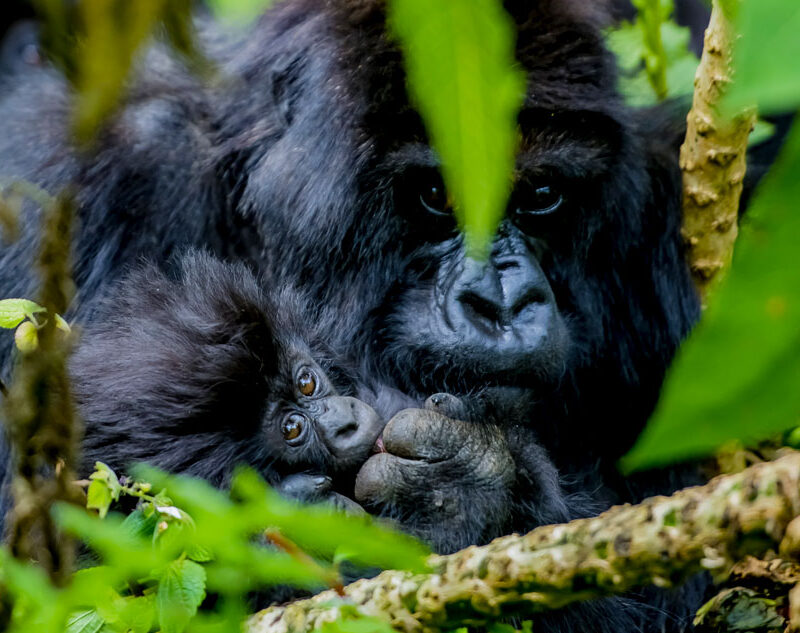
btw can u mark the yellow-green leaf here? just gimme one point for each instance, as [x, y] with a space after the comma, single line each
[465, 82]
[15, 311]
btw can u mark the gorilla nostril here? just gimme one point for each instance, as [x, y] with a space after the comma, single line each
[347, 429]
[477, 306]
[529, 297]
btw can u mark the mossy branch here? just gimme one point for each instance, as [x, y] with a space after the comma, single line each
[38, 410]
[661, 541]
[713, 159]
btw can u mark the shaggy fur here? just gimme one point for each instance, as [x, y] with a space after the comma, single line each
[195, 373]
[311, 163]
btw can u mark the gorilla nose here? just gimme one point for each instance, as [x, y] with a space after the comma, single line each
[501, 293]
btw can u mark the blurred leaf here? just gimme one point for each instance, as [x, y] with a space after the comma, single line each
[103, 489]
[241, 11]
[765, 57]
[351, 620]
[181, 589]
[98, 497]
[463, 77]
[738, 377]
[62, 325]
[15, 311]
[137, 524]
[111, 539]
[627, 42]
[317, 529]
[321, 529]
[113, 33]
[138, 614]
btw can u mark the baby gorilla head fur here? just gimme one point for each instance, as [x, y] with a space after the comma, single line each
[197, 373]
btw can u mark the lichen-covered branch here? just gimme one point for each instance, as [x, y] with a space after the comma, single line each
[713, 159]
[660, 541]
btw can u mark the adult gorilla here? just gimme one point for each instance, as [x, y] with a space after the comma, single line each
[311, 164]
[570, 324]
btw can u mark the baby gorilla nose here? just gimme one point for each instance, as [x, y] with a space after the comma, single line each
[349, 429]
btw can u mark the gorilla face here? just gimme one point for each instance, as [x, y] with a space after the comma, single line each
[585, 294]
[505, 320]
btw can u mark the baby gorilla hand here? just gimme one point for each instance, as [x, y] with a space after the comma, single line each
[316, 489]
[440, 476]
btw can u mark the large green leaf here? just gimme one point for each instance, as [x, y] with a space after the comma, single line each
[739, 374]
[461, 73]
[181, 589]
[766, 56]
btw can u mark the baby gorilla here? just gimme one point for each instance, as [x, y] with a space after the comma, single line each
[205, 370]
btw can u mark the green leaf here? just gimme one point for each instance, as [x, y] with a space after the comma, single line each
[765, 57]
[62, 325]
[15, 311]
[137, 614]
[181, 589]
[103, 489]
[88, 621]
[325, 531]
[463, 77]
[628, 43]
[98, 497]
[103, 473]
[137, 524]
[241, 11]
[738, 377]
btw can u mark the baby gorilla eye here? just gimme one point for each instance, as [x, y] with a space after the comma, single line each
[307, 382]
[292, 427]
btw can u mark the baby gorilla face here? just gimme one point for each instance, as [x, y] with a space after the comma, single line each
[315, 426]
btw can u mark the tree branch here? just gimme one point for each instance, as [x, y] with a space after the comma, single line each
[713, 159]
[661, 541]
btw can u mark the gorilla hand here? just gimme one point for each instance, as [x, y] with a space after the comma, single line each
[448, 482]
[316, 489]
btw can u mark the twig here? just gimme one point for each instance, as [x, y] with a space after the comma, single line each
[713, 159]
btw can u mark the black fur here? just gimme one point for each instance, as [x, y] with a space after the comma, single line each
[310, 163]
[198, 372]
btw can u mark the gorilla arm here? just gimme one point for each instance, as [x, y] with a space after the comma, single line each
[454, 483]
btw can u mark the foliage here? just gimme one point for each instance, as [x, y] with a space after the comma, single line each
[28, 318]
[737, 376]
[460, 66]
[156, 566]
[653, 55]
[766, 56]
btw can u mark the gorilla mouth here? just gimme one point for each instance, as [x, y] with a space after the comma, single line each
[378, 447]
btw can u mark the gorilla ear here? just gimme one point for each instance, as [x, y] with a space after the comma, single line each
[284, 80]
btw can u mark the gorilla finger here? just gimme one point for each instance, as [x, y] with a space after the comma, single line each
[344, 504]
[422, 434]
[446, 404]
[305, 487]
[377, 480]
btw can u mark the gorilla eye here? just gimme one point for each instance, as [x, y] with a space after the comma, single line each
[307, 382]
[433, 197]
[292, 427]
[542, 200]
